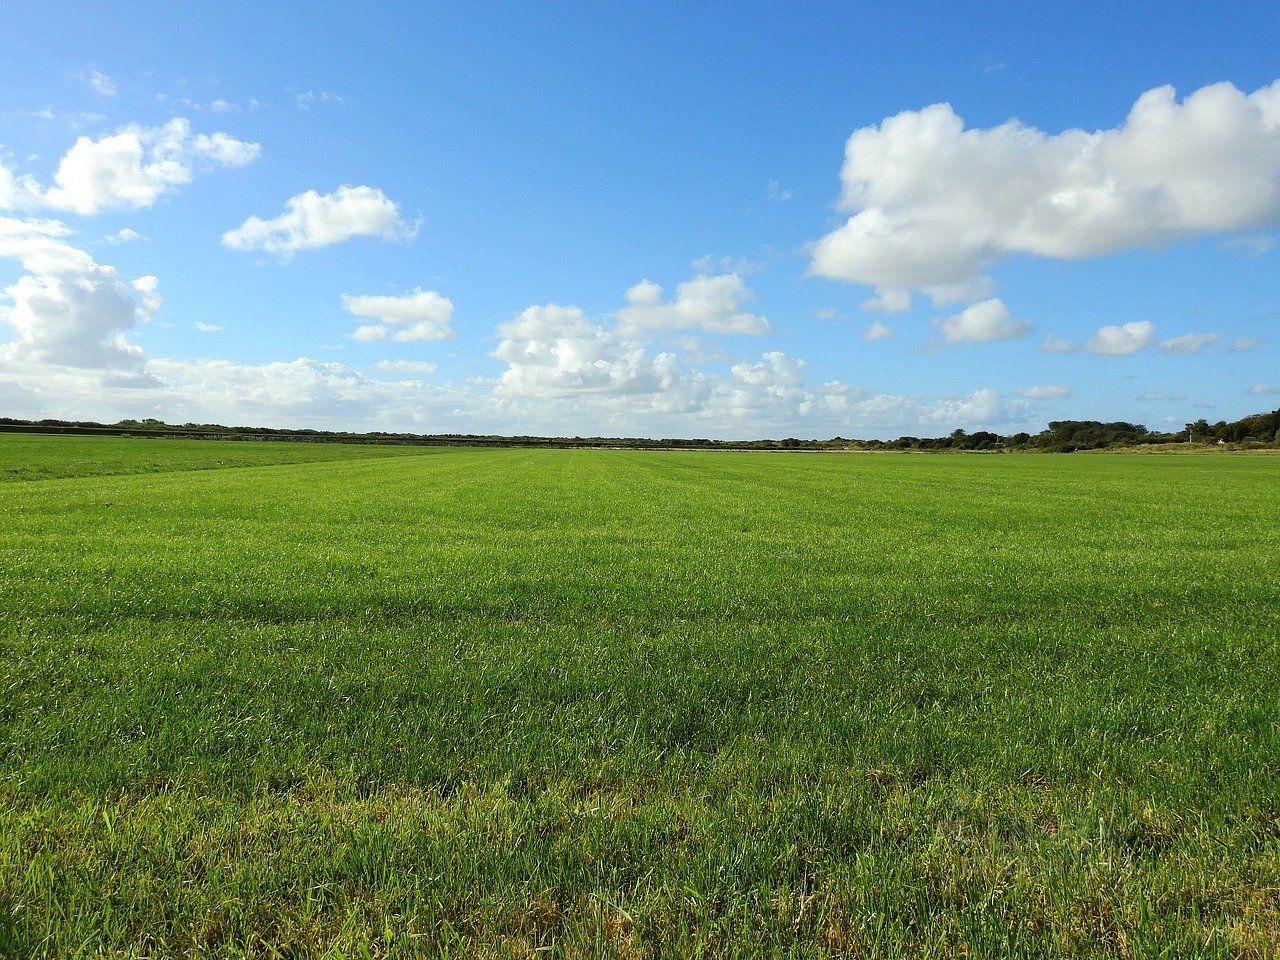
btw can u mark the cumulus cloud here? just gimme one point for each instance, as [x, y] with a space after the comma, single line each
[985, 407]
[15, 191]
[407, 366]
[1189, 342]
[565, 367]
[313, 220]
[710, 303]
[888, 300]
[1047, 391]
[225, 149]
[303, 391]
[762, 398]
[555, 351]
[935, 203]
[124, 235]
[370, 332]
[70, 355]
[418, 315]
[564, 375]
[68, 310]
[132, 167]
[878, 331]
[1116, 340]
[776, 371]
[770, 389]
[147, 288]
[983, 322]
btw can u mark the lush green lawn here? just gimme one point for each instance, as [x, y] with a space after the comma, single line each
[483, 702]
[35, 457]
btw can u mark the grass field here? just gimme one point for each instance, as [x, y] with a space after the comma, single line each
[402, 702]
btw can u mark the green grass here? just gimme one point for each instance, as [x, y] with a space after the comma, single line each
[36, 456]
[585, 703]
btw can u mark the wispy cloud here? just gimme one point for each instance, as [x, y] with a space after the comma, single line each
[101, 84]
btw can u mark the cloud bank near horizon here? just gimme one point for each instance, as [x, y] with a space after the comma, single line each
[932, 206]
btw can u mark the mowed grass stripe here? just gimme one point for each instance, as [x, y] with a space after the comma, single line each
[25, 457]
[759, 536]
[485, 702]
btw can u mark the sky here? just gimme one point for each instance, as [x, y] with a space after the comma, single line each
[663, 219]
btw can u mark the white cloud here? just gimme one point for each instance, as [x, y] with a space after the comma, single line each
[555, 351]
[130, 168]
[18, 192]
[1241, 344]
[124, 235]
[302, 391]
[571, 369]
[407, 366]
[1047, 391]
[768, 391]
[207, 327]
[966, 291]
[1263, 388]
[225, 149]
[563, 373]
[418, 315]
[313, 219]
[983, 407]
[133, 167]
[1159, 396]
[147, 289]
[22, 235]
[711, 303]
[934, 203]
[1189, 342]
[101, 84]
[1116, 340]
[1055, 344]
[67, 310]
[983, 322]
[878, 331]
[775, 371]
[888, 300]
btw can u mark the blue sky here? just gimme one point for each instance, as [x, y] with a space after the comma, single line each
[514, 175]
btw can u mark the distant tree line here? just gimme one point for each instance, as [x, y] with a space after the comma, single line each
[1061, 436]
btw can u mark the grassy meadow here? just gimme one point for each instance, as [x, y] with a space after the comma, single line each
[293, 700]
